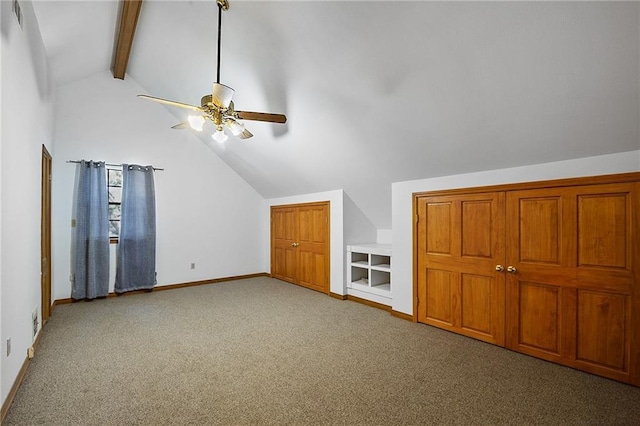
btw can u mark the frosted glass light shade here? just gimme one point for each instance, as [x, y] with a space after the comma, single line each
[219, 136]
[235, 127]
[196, 122]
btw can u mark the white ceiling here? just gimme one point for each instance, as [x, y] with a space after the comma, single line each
[380, 92]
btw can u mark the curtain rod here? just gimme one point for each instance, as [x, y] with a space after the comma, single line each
[109, 164]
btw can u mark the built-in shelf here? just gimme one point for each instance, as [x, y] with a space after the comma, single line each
[369, 272]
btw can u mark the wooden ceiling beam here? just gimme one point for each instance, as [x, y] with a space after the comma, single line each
[126, 32]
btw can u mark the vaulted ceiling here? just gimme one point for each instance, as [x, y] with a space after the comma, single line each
[379, 92]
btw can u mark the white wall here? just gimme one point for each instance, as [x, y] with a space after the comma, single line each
[26, 125]
[402, 199]
[206, 214]
[336, 223]
[358, 229]
[384, 236]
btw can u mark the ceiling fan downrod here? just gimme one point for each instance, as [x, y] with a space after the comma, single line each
[222, 5]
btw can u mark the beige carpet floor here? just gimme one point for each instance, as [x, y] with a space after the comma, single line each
[264, 352]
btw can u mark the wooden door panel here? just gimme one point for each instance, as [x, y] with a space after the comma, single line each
[284, 224]
[440, 288]
[540, 230]
[320, 222]
[541, 241]
[289, 272]
[572, 296]
[540, 319]
[290, 224]
[283, 261]
[440, 216]
[603, 230]
[602, 333]
[312, 271]
[313, 246]
[539, 312]
[461, 240]
[476, 312]
[476, 219]
[605, 289]
[278, 267]
[283, 265]
[277, 224]
[312, 224]
[305, 225]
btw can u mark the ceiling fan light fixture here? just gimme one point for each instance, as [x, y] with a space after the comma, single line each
[235, 127]
[196, 122]
[219, 136]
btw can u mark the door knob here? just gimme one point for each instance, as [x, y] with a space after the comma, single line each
[499, 268]
[294, 244]
[511, 269]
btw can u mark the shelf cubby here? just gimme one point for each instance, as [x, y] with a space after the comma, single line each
[369, 272]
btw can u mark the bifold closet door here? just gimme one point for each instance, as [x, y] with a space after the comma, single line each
[300, 244]
[570, 296]
[461, 286]
[284, 231]
[313, 246]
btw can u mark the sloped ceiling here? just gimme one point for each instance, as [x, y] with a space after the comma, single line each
[380, 92]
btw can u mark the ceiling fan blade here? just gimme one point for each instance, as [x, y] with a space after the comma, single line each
[180, 126]
[172, 103]
[262, 116]
[245, 134]
[221, 95]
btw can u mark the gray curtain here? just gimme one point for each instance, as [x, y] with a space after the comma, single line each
[136, 267]
[91, 261]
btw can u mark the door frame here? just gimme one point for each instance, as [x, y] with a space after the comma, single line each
[45, 238]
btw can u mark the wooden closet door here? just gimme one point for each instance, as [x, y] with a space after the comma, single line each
[284, 232]
[300, 244]
[313, 246]
[570, 298]
[460, 244]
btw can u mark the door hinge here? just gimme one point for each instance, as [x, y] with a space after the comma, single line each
[417, 218]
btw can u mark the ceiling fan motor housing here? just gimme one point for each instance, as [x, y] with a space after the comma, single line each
[221, 95]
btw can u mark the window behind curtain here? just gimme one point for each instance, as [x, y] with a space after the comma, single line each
[114, 186]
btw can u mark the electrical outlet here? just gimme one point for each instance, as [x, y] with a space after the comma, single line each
[193, 266]
[9, 346]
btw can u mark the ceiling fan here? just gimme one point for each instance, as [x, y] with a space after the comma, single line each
[218, 106]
